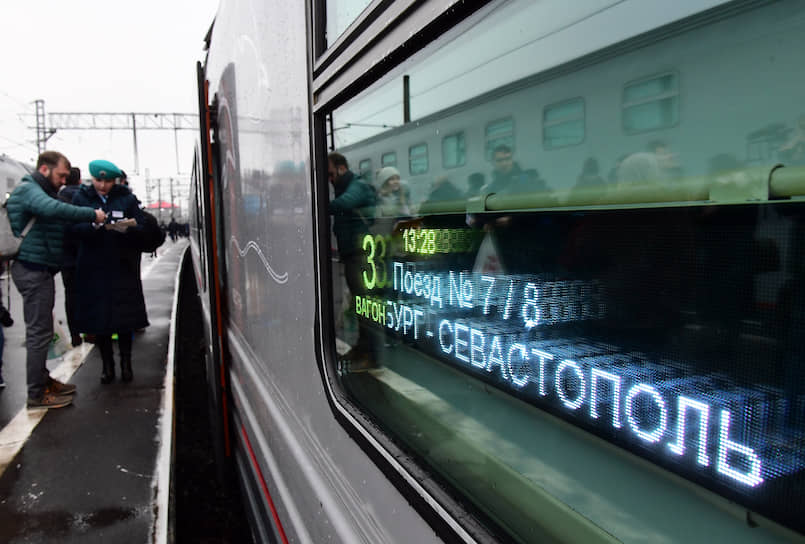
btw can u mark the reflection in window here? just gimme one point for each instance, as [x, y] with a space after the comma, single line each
[389, 159]
[418, 159]
[453, 151]
[365, 168]
[563, 124]
[513, 335]
[499, 132]
[651, 104]
[340, 14]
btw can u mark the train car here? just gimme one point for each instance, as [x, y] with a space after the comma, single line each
[11, 172]
[506, 271]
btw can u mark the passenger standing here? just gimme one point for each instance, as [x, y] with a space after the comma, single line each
[173, 229]
[39, 259]
[509, 178]
[108, 284]
[66, 194]
[393, 196]
[353, 212]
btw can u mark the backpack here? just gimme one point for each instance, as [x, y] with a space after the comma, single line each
[152, 236]
[9, 242]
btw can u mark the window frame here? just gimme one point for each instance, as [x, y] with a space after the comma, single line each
[463, 135]
[625, 106]
[566, 120]
[488, 149]
[361, 169]
[388, 154]
[333, 84]
[410, 159]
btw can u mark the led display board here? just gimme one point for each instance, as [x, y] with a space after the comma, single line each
[673, 332]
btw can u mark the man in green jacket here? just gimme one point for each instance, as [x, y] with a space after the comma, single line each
[39, 259]
[353, 212]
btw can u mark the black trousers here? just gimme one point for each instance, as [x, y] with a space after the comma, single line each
[68, 279]
[124, 340]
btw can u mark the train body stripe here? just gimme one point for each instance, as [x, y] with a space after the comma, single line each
[274, 514]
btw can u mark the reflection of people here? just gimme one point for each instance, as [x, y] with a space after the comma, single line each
[352, 209]
[793, 152]
[40, 256]
[590, 176]
[656, 165]
[443, 189]
[639, 168]
[393, 196]
[474, 183]
[108, 285]
[508, 177]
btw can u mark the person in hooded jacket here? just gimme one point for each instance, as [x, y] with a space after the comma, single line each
[108, 284]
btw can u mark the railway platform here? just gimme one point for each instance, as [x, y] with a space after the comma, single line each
[98, 470]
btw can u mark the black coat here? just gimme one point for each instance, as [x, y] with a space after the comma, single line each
[108, 287]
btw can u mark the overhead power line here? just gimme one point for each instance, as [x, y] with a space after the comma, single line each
[114, 121]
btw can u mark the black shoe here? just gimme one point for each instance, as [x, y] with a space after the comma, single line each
[108, 374]
[125, 369]
[77, 341]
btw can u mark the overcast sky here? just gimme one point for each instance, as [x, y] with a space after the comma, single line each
[104, 56]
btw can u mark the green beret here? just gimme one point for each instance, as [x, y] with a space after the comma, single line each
[101, 169]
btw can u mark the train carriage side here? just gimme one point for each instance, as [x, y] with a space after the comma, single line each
[603, 350]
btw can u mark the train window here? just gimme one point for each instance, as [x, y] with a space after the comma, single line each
[453, 151]
[365, 168]
[612, 332]
[499, 133]
[651, 104]
[389, 159]
[340, 14]
[418, 159]
[563, 124]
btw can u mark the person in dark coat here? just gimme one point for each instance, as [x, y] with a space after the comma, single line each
[66, 194]
[108, 284]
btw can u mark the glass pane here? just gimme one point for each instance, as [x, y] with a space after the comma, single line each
[613, 332]
[365, 168]
[650, 88]
[499, 133]
[418, 159]
[453, 151]
[565, 111]
[340, 14]
[651, 115]
[563, 134]
[388, 159]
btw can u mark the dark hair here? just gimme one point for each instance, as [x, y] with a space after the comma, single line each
[338, 160]
[75, 176]
[51, 159]
[502, 148]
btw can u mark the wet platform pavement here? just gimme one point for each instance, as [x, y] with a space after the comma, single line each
[96, 471]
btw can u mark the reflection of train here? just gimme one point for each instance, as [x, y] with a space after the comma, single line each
[627, 369]
[11, 173]
[663, 93]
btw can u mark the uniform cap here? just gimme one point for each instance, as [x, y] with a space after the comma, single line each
[102, 169]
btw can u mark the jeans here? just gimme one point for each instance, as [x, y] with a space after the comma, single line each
[38, 292]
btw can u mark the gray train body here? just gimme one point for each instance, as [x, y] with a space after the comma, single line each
[310, 472]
